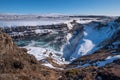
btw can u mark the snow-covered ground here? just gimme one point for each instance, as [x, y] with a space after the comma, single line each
[9, 23]
[108, 60]
[51, 66]
[29, 22]
[43, 53]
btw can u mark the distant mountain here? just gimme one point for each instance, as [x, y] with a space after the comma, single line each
[41, 16]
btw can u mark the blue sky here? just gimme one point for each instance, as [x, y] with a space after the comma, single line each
[82, 7]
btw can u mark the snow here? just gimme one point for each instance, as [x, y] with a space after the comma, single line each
[37, 52]
[92, 39]
[85, 21]
[71, 48]
[78, 20]
[68, 37]
[15, 23]
[17, 34]
[48, 65]
[42, 53]
[69, 25]
[37, 31]
[116, 43]
[29, 22]
[85, 47]
[51, 66]
[108, 60]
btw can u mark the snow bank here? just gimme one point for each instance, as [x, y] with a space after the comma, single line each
[108, 60]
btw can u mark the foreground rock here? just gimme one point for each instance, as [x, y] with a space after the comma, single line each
[16, 64]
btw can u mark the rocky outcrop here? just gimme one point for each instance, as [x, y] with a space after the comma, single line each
[118, 20]
[16, 64]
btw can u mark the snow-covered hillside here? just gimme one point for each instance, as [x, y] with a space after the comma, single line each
[89, 38]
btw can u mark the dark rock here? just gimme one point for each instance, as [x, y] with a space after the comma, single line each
[117, 61]
[18, 65]
[118, 20]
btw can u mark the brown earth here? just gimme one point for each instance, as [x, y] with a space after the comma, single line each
[16, 64]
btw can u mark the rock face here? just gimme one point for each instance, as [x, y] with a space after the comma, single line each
[21, 32]
[77, 34]
[16, 64]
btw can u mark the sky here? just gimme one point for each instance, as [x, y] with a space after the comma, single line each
[81, 7]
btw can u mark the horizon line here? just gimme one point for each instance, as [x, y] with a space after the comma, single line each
[43, 14]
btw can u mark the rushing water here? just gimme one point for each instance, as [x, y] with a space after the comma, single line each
[51, 41]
